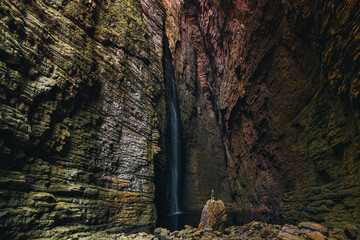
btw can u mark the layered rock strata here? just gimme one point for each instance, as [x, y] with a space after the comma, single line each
[81, 105]
[269, 105]
[268, 100]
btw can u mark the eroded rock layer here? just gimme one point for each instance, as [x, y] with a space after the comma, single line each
[269, 102]
[268, 94]
[81, 105]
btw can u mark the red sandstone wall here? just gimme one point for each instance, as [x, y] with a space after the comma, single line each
[269, 104]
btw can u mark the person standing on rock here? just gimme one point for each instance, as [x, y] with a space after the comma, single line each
[213, 215]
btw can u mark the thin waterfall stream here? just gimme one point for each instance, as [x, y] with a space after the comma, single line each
[171, 99]
[175, 164]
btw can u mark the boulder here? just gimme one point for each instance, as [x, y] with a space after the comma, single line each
[311, 235]
[313, 226]
[213, 216]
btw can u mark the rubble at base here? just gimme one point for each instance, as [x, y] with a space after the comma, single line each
[253, 230]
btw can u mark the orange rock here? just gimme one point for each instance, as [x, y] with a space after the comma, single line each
[314, 236]
[213, 216]
[313, 226]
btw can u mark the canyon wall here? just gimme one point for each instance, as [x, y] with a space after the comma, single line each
[268, 95]
[269, 105]
[81, 111]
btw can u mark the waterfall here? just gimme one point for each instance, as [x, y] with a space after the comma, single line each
[175, 164]
[174, 130]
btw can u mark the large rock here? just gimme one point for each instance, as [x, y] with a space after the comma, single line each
[213, 216]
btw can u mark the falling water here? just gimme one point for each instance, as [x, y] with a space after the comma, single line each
[174, 127]
[174, 153]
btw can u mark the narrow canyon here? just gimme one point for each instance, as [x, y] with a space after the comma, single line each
[115, 113]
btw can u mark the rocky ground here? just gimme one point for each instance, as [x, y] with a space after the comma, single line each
[253, 230]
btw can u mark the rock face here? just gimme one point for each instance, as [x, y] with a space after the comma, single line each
[268, 98]
[81, 110]
[269, 103]
[213, 216]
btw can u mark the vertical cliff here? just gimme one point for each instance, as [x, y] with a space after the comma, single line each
[81, 105]
[269, 105]
[268, 95]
